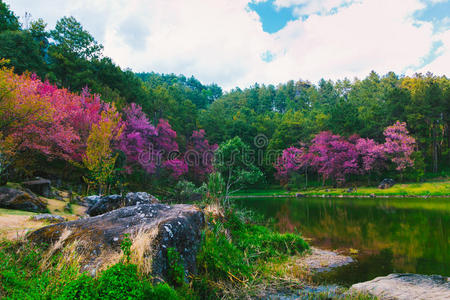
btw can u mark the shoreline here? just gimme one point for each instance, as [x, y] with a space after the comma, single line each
[338, 196]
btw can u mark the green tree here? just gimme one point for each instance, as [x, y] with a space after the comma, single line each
[236, 163]
[8, 21]
[71, 37]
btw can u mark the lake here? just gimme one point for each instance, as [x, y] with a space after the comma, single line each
[390, 234]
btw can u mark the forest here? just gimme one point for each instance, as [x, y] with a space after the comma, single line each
[100, 121]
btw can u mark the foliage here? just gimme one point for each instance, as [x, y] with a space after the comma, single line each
[120, 282]
[69, 56]
[236, 256]
[8, 20]
[200, 155]
[334, 156]
[147, 146]
[219, 258]
[100, 159]
[399, 145]
[259, 242]
[215, 188]
[70, 36]
[82, 287]
[160, 291]
[125, 246]
[233, 161]
[23, 277]
[176, 267]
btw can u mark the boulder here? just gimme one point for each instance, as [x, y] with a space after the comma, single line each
[153, 228]
[48, 217]
[299, 195]
[17, 199]
[108, 203]
[351, 190]
[406, 286]
[39, 186]
[90, 200]
[386, 183]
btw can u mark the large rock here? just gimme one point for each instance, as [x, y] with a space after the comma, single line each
[386, 183]
[153, 229]
[17, 199]
[39, 186]
[108, 203]
[406, 287]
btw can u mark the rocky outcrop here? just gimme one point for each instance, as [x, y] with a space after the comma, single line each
[386, 183]
[39, 186]
[153, 228]
[406, 287]
[48, 218]
[102, 204]
[17, 199]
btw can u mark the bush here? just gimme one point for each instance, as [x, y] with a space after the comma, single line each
[81, 288]
[259, 242]
[159, 292]
[120, 282]
[176, 268]
[184, 191]
[220, 259]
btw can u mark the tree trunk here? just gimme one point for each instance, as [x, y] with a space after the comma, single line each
[306, 177]
[435, 149]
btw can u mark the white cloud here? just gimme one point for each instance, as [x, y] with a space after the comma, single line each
[307, 7]
[441, 64]
[223, 41]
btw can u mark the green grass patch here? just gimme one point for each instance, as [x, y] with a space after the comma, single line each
[5, 211]
[432, 188]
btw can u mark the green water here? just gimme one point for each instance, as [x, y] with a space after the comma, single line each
[391, 235]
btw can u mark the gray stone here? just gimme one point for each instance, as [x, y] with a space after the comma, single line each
[108, 203]
[91, 200]
[299, 195]
[48, 217]
[319, 260]
[386, 183]
[39, 186]
[17, 199]
[155, 226]
[406, 287]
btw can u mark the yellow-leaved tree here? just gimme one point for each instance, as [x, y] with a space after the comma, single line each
[100, 159]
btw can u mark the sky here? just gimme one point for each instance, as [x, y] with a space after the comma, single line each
[236, 43]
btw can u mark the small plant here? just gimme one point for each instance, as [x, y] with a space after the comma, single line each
[126, 247]
[159, 292]
[80, 288]
[176, 268]
[120, 282]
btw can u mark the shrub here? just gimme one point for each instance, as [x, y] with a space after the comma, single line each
[176, 268]
[260, 242]
[120, 282]
[81, 288]
[220, 259]
[159, 292]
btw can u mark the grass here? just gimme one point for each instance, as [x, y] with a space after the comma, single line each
[435, 188]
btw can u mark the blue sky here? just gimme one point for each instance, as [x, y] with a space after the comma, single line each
[240, 42]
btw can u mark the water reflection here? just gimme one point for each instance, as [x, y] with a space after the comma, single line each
[392, 235]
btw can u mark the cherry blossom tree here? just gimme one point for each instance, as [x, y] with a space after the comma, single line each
[148, 146]
[399, 145]
[200, 155]
[372, 155]
[333, 156]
